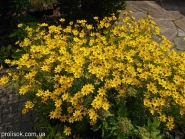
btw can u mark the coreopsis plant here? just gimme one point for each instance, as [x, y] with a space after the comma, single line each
[106, 75]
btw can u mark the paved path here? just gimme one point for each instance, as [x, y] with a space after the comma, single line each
[11, 119]
[169, 16]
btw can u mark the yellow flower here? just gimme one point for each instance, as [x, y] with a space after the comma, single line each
[102, 91]
[92, 122]
[4, 80]
[177, 79]
[152, 111]
[75, 32]
[152, 87]
[97, 102]
[115, 82]
[29, 105]
[56, 114]
[44, 25]
[52, 115]
[106, 106]
[147, 103]
[182, 111]
[40, 93]
[67, 130]
[20, 25]
[87, 89]
[65, 96]
[63, 118]
[71, 119]
[170, 119]
[82, 34]
[170, 125]
[154, 102]
[149, 16]
[58, 103]
[95, 18]
[1, 66]
[45, 68]
[77, 115]
[7, 61]
[163, 83]
[119, 11]
[62, 20]
[70, 110]
[17, 42]
[25, 43]
[125, 12]
[93, 115]
[47, 93]
[162, 118]
[24, 111]
[30, 75]
[23, 89]
[89, 27]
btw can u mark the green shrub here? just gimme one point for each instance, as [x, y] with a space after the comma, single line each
[5, 52]
[21, 33]
[11, 13]
[104, 78]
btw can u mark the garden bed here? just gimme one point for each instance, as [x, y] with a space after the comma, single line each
[110, 77]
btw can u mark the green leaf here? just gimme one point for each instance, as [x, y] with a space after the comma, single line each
[114, 128]
[156, 122]
[122, 112]
[16, 56]
[9, 47]
[2, 48]
[4, 57]
[96, 127]
[120, 135]
[155, 134]
[105, 125]
[12, 34]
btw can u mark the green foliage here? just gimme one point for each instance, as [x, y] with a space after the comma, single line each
[137, 112]
[4, 53]
[20, 34]
[45, 126]
[22, 31]
[151, 130]
[117, 125]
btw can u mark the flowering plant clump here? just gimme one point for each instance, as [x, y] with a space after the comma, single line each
[82, 73]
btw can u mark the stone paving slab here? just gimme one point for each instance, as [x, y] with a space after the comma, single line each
[181, 33]
[165, 24]
[138, 15]
[180, 23]
[180, 43]
[169, 33]
[11, 118]
[169, 16]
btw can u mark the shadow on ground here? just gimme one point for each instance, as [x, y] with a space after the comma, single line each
[173, 5]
